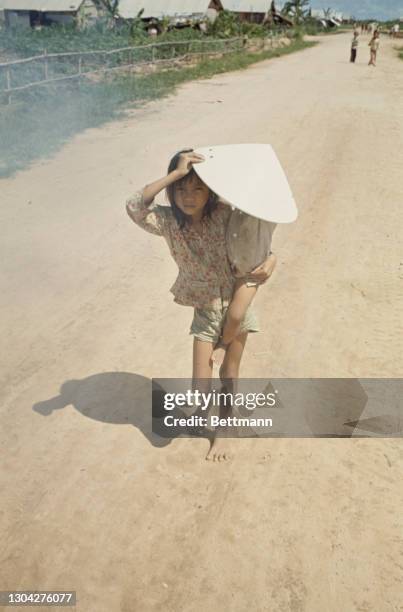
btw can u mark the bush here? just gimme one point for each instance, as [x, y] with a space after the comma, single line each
[226, 25]
[313, 27]
[229, 25]
[59, 39]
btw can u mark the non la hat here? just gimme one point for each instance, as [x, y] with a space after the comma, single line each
[250, 178]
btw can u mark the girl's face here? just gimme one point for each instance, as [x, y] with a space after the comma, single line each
[191, 196]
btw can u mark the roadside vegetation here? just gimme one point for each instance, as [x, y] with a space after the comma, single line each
[60, 39]
[41, 119]
[37, 126]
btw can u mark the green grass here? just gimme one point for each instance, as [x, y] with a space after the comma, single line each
[39, 122]
[58, 39]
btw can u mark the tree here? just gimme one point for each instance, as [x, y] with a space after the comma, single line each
[297, 9]
[111, 7]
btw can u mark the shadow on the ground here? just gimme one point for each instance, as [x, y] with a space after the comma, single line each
[305, 407]
[109, 397]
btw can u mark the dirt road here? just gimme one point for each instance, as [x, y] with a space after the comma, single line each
[91, 500]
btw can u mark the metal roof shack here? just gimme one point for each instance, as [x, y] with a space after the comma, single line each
[275, 15]
[255, 11]
[37, 13]
[318, 13]
[329, 19]
[179, 12]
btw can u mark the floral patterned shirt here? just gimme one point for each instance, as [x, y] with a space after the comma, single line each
[205, 277]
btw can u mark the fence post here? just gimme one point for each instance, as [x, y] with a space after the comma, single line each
[153, 54]
[80, 62]
[8, 78]
[46, 65]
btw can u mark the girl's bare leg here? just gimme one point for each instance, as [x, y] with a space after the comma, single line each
[202, 361]
[202, 372]
[229, 370]
[241, 300]
[220, 449]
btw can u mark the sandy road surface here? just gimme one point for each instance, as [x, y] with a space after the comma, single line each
[91, 501]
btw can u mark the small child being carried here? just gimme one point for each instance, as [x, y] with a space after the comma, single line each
[248, 241]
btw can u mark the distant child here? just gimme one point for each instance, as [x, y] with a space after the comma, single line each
[374, 46]
[354, 47]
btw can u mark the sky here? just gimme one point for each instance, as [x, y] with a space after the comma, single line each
[363, 9]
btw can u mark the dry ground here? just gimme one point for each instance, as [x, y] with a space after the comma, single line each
[90, 500]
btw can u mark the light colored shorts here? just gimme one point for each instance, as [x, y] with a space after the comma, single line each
[207, 324]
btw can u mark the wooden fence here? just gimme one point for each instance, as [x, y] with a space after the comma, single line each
[52, 68]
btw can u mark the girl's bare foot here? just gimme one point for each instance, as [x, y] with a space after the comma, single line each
[219, 450]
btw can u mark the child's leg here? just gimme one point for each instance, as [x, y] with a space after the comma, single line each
[202, 372]
[241, 300]
[229, 371]
[205, 327]
[202, 362]
[220, 449]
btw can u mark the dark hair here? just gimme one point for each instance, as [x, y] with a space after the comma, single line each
[179, 215]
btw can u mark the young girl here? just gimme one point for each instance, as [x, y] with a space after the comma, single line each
[194, 227]
[374, 46]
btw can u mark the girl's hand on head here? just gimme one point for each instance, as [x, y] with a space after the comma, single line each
[186, 161]
[263, 272]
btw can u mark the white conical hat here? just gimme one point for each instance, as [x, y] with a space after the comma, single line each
[250, 177]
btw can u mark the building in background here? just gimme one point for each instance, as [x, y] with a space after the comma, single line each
[328, 18]
[254, 11]
[179, 13]
[38, 13]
